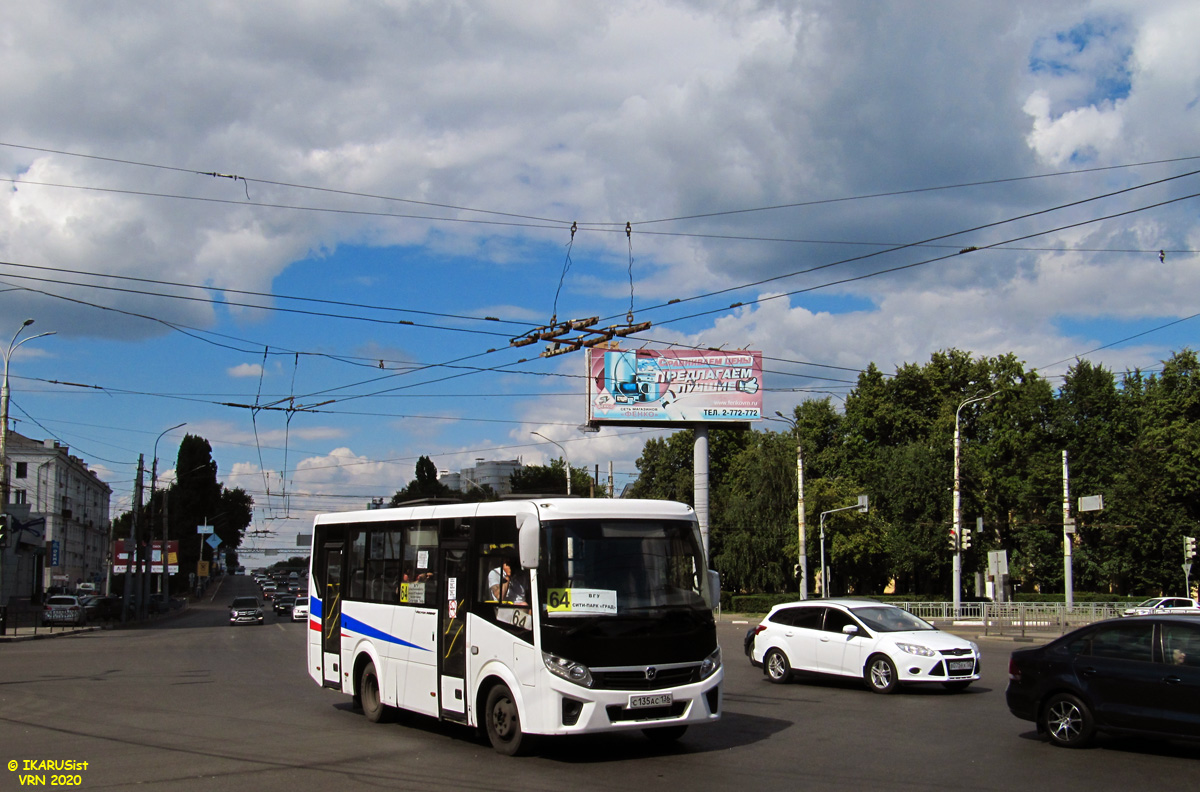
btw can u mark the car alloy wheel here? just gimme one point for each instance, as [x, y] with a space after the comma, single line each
[776, 666]
[1067, 721]
[881, 674]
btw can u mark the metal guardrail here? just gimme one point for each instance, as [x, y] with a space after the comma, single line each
[1016, 618]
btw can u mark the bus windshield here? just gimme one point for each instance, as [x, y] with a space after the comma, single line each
[597, 567]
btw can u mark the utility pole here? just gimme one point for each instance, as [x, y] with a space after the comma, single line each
[132, 581]
[801, 531]
[800, 527]
[700, 484]
[1068, 536]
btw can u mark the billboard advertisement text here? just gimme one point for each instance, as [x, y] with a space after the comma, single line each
[652, 387]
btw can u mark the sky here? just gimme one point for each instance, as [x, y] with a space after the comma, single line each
[309, 231]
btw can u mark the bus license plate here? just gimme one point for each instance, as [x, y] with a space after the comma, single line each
[655, 700]
[962, 665]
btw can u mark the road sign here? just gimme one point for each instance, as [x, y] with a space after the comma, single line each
[204, 529]
[214, 541]
[1187, 569]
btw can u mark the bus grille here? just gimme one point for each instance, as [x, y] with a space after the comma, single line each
[640, 679]
[618, 714]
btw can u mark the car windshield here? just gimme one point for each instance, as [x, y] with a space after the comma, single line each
[884, 618]
[302, 601]
[61, 601]
[1150, 603]
[245, 602]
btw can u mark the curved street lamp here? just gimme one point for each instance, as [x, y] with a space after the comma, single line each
[957, 507]
[565, 458]
[861, 506]
[4, 433]
[4, 407]
[166, 591]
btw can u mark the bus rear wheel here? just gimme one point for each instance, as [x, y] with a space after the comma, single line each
[368, 693]
[503, 722]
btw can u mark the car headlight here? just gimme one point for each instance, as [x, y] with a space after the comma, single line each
[569, 670]
[711, 664]
[975, 648]
[916, 649]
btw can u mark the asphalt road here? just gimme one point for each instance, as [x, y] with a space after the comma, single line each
[192, 703]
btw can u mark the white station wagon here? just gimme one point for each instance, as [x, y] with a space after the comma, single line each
[883, 645]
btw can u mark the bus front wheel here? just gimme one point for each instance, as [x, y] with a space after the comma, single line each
[503, 722]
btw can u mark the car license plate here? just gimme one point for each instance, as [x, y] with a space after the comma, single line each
[654, 700]
[962, 665]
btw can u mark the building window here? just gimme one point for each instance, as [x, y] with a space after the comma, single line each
[19, 497]
[22, 469]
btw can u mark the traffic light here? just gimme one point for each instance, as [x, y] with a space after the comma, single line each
[953, 540]
[966, 538]
[1189, 547]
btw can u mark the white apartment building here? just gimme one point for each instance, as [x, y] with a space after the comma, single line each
[496, 474]
[58, 503]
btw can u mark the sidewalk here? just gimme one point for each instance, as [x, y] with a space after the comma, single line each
[27, 625]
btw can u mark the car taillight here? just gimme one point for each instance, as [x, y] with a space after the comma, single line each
[1014, 671]
[759, 629]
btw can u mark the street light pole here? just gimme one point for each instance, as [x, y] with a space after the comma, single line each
[802, 553]
[4, 483]
[956, 514]
[4, 480]
[153, 487]
[565, 458]
[860, 506]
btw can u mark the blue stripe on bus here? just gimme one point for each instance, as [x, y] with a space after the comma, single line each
[354, 625]
[315, 612]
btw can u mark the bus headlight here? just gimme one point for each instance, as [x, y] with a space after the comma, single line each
[711, 664]
[569, 670]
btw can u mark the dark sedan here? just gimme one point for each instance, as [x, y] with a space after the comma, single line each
[283, 603]
[1137, 675]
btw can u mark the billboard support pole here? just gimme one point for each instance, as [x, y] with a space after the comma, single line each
[700, 466]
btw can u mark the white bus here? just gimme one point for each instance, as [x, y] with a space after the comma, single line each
[541, 616]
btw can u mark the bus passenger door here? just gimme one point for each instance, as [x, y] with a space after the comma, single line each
[331, 617]
[452, 639]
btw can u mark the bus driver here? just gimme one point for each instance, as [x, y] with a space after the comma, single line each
[504, 586]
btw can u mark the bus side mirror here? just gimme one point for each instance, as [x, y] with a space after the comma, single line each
[713, 593]
[527, 540]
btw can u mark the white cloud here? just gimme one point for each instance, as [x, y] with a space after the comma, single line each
[245, 370]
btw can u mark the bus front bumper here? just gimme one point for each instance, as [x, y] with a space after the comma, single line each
[574, 709]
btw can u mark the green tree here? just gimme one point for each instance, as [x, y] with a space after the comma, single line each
[550, 479]
[195, 498]
[424, 485]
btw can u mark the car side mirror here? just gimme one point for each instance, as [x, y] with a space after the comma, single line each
[850, 629]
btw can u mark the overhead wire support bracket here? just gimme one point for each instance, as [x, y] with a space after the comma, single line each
[553, 330]
[598, 336]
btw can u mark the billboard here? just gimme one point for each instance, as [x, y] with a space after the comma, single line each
[154, 558]
[654, 387]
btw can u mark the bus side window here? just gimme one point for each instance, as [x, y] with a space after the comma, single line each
[421, 555]
[503, 586]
